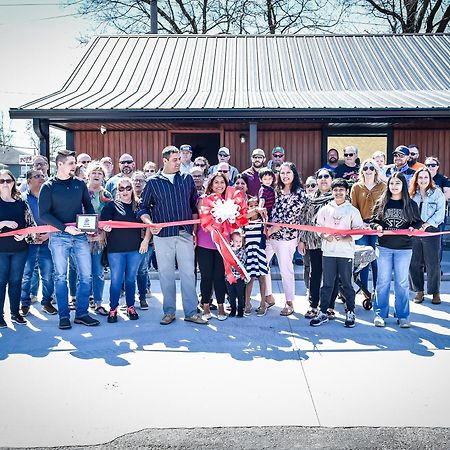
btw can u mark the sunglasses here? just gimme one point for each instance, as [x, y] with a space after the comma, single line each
[399, 155]
[312, 185]
[323, 176]
[413, 154]
[199, 165]
[431, 165]
[84, 162]
[38, 176]
[223, 155]
[150, 171]
[347, 155]
[7, 181]
[277, 155]
[127, 188]
[127, 161]
[366, 168]
[222, 171]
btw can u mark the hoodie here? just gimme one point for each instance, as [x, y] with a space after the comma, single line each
[340, 217]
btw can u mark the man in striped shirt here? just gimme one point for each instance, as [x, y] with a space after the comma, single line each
[170, 196]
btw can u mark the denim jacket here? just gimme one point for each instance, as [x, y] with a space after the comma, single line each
[433, 206]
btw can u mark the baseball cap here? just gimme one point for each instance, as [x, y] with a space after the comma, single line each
[106, 158]
[258, 152]
[185, 148]
[402, 149]
[278, 150]
[224, 150]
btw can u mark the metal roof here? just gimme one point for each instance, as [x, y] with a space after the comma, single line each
[241, 76]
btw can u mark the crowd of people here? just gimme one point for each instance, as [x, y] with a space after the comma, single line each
[70, 264]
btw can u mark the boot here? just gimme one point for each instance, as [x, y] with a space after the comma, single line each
[436, 299]
[419, 298]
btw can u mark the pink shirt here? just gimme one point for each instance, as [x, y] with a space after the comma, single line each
[204, 239]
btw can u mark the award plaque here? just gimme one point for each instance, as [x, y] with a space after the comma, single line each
[87, 222]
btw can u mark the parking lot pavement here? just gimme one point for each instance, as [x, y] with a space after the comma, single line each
[91, 385]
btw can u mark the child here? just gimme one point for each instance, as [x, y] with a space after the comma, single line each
[338, 251]
[267, 192]
[256, 262]
[236, 290]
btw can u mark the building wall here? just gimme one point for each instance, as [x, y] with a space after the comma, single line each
[431, 143]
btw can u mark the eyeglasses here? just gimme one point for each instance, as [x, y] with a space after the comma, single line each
[39, 175]
[349, 155]
[127, 161]
[312, 185]
[6, 180]
[127, 188]
[431, 165]
[257, 157]
[277, 155]
[366, 168]
[222, 171]
[399, 155]
[38, 164]
[197, 176]
[139, 180]
[223, 155]
[327, 175]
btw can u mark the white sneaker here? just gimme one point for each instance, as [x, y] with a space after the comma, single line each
[404, 323]
[206, 316]
[378, 321]
[222, 317]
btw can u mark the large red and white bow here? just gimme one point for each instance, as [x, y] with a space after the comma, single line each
[221, 216]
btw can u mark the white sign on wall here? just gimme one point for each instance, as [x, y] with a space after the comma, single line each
[25, 160]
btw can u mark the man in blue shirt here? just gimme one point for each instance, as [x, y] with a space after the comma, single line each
[170, 196]
[38, 252]
[401, 156]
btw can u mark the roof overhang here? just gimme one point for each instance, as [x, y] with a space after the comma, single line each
[322, 114]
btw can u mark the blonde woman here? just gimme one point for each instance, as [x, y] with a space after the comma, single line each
[365, 193]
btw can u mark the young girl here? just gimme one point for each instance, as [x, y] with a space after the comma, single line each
[394, 211]
[256, 262]
[236, 290]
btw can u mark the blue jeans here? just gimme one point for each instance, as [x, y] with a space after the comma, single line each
[143, 277]
[123, 266]
[11, 271]
[35, 279]
[364, 274]
[398, 261]
[41, 255]
[61, 245]
[73, 277]
[98, 278]
[181, 249]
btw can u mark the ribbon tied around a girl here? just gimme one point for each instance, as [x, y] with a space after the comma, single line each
[221, 216]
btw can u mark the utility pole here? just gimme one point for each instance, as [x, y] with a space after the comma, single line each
[154, 16]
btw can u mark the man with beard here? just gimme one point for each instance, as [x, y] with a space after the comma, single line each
[278, 157]
[349, 171]
[332, 160]
[127, 167]
[251, 174]
[401, 156]
[186, 158]
[61, 199]
[414, 155]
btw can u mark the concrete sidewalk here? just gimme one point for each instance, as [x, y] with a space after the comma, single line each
[88, 386]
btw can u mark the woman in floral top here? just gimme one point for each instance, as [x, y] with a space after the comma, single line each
[283, 241]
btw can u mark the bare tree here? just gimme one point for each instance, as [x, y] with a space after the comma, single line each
[56, 143]
[214, 16]
[5, 134]
[405, 16]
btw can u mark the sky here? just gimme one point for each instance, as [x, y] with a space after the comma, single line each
[39, 50]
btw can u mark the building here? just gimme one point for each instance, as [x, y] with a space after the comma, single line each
[303, 92]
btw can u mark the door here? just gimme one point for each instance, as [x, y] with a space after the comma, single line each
[203, 144]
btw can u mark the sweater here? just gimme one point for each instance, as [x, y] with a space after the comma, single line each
[340, 217]
[364, 199]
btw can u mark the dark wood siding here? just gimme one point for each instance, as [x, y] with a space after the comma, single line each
[431, 143]
[143, 145]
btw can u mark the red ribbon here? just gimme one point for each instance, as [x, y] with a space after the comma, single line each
[221, 216]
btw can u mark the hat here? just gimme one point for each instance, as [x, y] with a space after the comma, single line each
[185, 148]
[278, 150]
[258, 152]
[401, 149]
[106, 158]
[224, 150]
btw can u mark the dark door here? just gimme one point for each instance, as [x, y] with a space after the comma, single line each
[203, 144]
